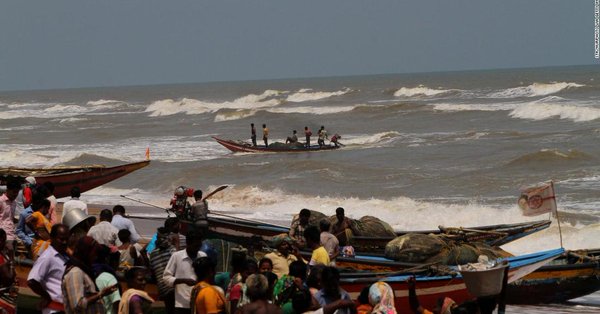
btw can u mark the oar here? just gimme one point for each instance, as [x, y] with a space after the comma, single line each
[222, 187]
[145, 203]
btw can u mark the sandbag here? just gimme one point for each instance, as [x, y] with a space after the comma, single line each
[372, 227]
[414, 247]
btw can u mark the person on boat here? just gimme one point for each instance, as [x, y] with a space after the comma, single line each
[253, 134]
[179, 203]
[104, 232]
[120, 222]
[297, 228]
[258, 287]
[45, 276]
[381, 297]
[329, 241]
[206, 296]
[313, 242]
[322, 136]
[25, 195]
[75, 202]
[135, 300]
[200, 210]
[282, 257]
[8, 282]
[7, 212]
[330, 289]
[105, 268]
[307, 134]
[334, 140]
[41, 227]
[179, 272]
[130, 253]
[292, 139]
[80, 294]
[159, 257]
[265, 135]
[52, 215]
[341, 227]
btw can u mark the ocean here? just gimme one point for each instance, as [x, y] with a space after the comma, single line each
[421, 150]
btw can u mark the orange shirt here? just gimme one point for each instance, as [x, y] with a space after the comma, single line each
[209, 299]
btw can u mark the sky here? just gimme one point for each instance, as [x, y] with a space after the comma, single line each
[71, 44]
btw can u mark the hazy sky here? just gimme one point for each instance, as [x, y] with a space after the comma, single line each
[66, 44]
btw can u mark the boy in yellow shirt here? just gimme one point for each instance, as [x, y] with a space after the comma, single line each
[313, 242]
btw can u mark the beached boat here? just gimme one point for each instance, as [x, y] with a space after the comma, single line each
[244, 147]
[430, 288]
[66, 177]
[573, 275]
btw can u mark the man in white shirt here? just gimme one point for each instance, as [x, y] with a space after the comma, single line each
[120, 222]
[45, 277]
[74, 202]
[179, 272]
[104, 232]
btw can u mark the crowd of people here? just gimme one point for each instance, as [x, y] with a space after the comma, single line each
[293, 139]
[79, 265]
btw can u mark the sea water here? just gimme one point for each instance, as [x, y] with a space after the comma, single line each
[421, 150]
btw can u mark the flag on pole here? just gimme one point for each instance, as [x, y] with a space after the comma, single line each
[148, 153]
[538, 200]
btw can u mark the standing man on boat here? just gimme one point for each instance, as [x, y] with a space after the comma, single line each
[253, 134]
[266, 135]
[200, 210]
[307, 134]
[340, 227]
[297, 228]
[322, 136]
[45, 277]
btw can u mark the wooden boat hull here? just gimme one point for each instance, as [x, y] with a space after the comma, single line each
[562, 280]
[65, 178]
[241, 147]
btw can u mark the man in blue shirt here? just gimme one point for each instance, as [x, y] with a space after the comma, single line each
[23, 231]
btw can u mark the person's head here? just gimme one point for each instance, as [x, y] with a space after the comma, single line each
[305, 128]
[41, 205]
[75, 192]
[283, 243]
[294, 132]
[324, 225]
[106, 215]
[330, 281]
[304, 216]
[314, 277]
[136, 278]
[252, 124]
[380, 293]
[251, 268]
[339, 213]
[312, 236]
[363, 297]
[264, 125]
[322, 127]
[119, 210]
[265, 265]
[2, 239]
[198, 194]
[50, 186]
[301, 300]
[257, 287]
[162, 238]
[124, 236]
[204, 267]
[298, 270]
[86, 250]
[30, 181]
[172, 224]
[59, 237]
[12, 189]
[194, 239]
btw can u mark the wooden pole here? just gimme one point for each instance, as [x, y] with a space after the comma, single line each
[557, 217]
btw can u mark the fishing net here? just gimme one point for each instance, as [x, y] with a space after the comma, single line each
[372, 227]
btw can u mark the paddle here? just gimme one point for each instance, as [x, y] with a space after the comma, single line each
[221, 188]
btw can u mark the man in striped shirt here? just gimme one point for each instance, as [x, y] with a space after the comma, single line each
[159, 257]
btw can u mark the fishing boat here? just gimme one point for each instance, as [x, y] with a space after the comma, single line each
[66, 177]
[574, 274]
[430, 288]
[245, 147]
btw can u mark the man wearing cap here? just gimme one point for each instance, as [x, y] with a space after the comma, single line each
[45, 277]
[25, 194]
[283, 257]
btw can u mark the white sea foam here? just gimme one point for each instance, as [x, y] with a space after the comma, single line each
[369, 140]
[189, 106]
[101, 102]
[308, 94]
[420, 90]
[317, 110]
[474, 107]
[541, 110]
[535, 89]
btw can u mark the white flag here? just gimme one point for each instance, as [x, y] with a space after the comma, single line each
[538, 200]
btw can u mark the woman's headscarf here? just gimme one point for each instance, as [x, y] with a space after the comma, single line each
[381, 297]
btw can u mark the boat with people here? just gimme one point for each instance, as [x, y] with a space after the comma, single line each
[245, 147]
[65, 178]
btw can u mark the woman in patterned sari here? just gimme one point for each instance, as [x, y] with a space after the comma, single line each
[8, 292]
[41, 226]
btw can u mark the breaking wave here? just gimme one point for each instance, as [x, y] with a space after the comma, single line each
[535, 89]
[308, 94]
[421, 90]
[540, 110]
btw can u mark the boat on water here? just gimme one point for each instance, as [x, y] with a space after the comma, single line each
[245, 147]
[574, 274]
[66, 177]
